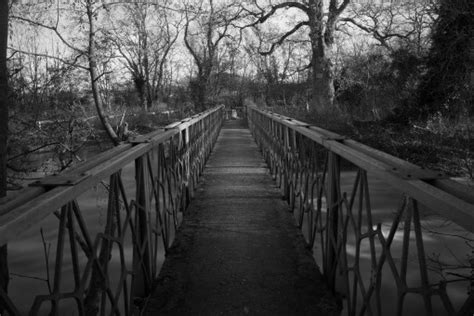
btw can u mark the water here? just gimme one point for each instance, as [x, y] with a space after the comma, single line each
[446, 242]
[29, 254]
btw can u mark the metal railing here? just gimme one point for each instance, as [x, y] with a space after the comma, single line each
[167, 165]
[339, 221]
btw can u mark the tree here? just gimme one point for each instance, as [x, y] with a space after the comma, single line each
[397, 25]
[4, 10]
[92, 57]
[91, 52]
[282, 76]
[382, 71]
[447, 85]
[321, 34]
[144, 37]
[206, 26]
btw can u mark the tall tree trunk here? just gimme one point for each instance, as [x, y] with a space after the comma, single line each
[4, 277]
[94, 76]
[204, 78]
[323, 72]
[323, 83]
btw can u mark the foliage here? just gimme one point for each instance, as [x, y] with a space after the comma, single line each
[447, 85]
[370, 86]
[437, 143]
[61, 139]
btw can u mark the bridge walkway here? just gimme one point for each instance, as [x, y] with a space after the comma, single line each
[238, 250]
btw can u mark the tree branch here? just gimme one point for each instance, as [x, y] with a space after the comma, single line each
[285, 36]
[190, 48]
[283, 5]
[52, 28]
[66, 62]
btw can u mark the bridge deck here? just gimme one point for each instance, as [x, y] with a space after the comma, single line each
[238, 251]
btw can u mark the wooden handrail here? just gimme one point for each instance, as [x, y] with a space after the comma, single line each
[448, 198]
[35, 203]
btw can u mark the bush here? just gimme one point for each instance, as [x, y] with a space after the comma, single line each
[447, 85]
[370, 86]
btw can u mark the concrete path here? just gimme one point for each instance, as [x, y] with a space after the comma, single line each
[238, 251]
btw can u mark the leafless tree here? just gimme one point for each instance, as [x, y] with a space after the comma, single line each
[393, 25]
[90, 52]
[321, 27]
[144, 36]
[280, 71]
[207, 24]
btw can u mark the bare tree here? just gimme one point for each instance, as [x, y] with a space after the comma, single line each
[322, 27]
[144, 37]
[92, 56]
[90, 53]
[281, 72]
[393, 25]
[206, 26]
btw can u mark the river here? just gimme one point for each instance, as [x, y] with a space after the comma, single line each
[447, 243]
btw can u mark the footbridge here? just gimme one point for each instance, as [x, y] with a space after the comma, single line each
[255, 213]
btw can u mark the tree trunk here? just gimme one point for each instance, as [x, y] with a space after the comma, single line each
[323, 83]
[4, 277]
[201, 94]
[94, 77]
[198, 91]
[204, 78]
[150, 96]
[323, 72]
[141, 87]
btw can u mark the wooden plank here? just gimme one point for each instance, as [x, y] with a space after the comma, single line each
[146, 138]
[459, 190]
[20, 219]
[417, 173]
[29, 193]
[193, 119]
[69, 179]
[21, 198]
